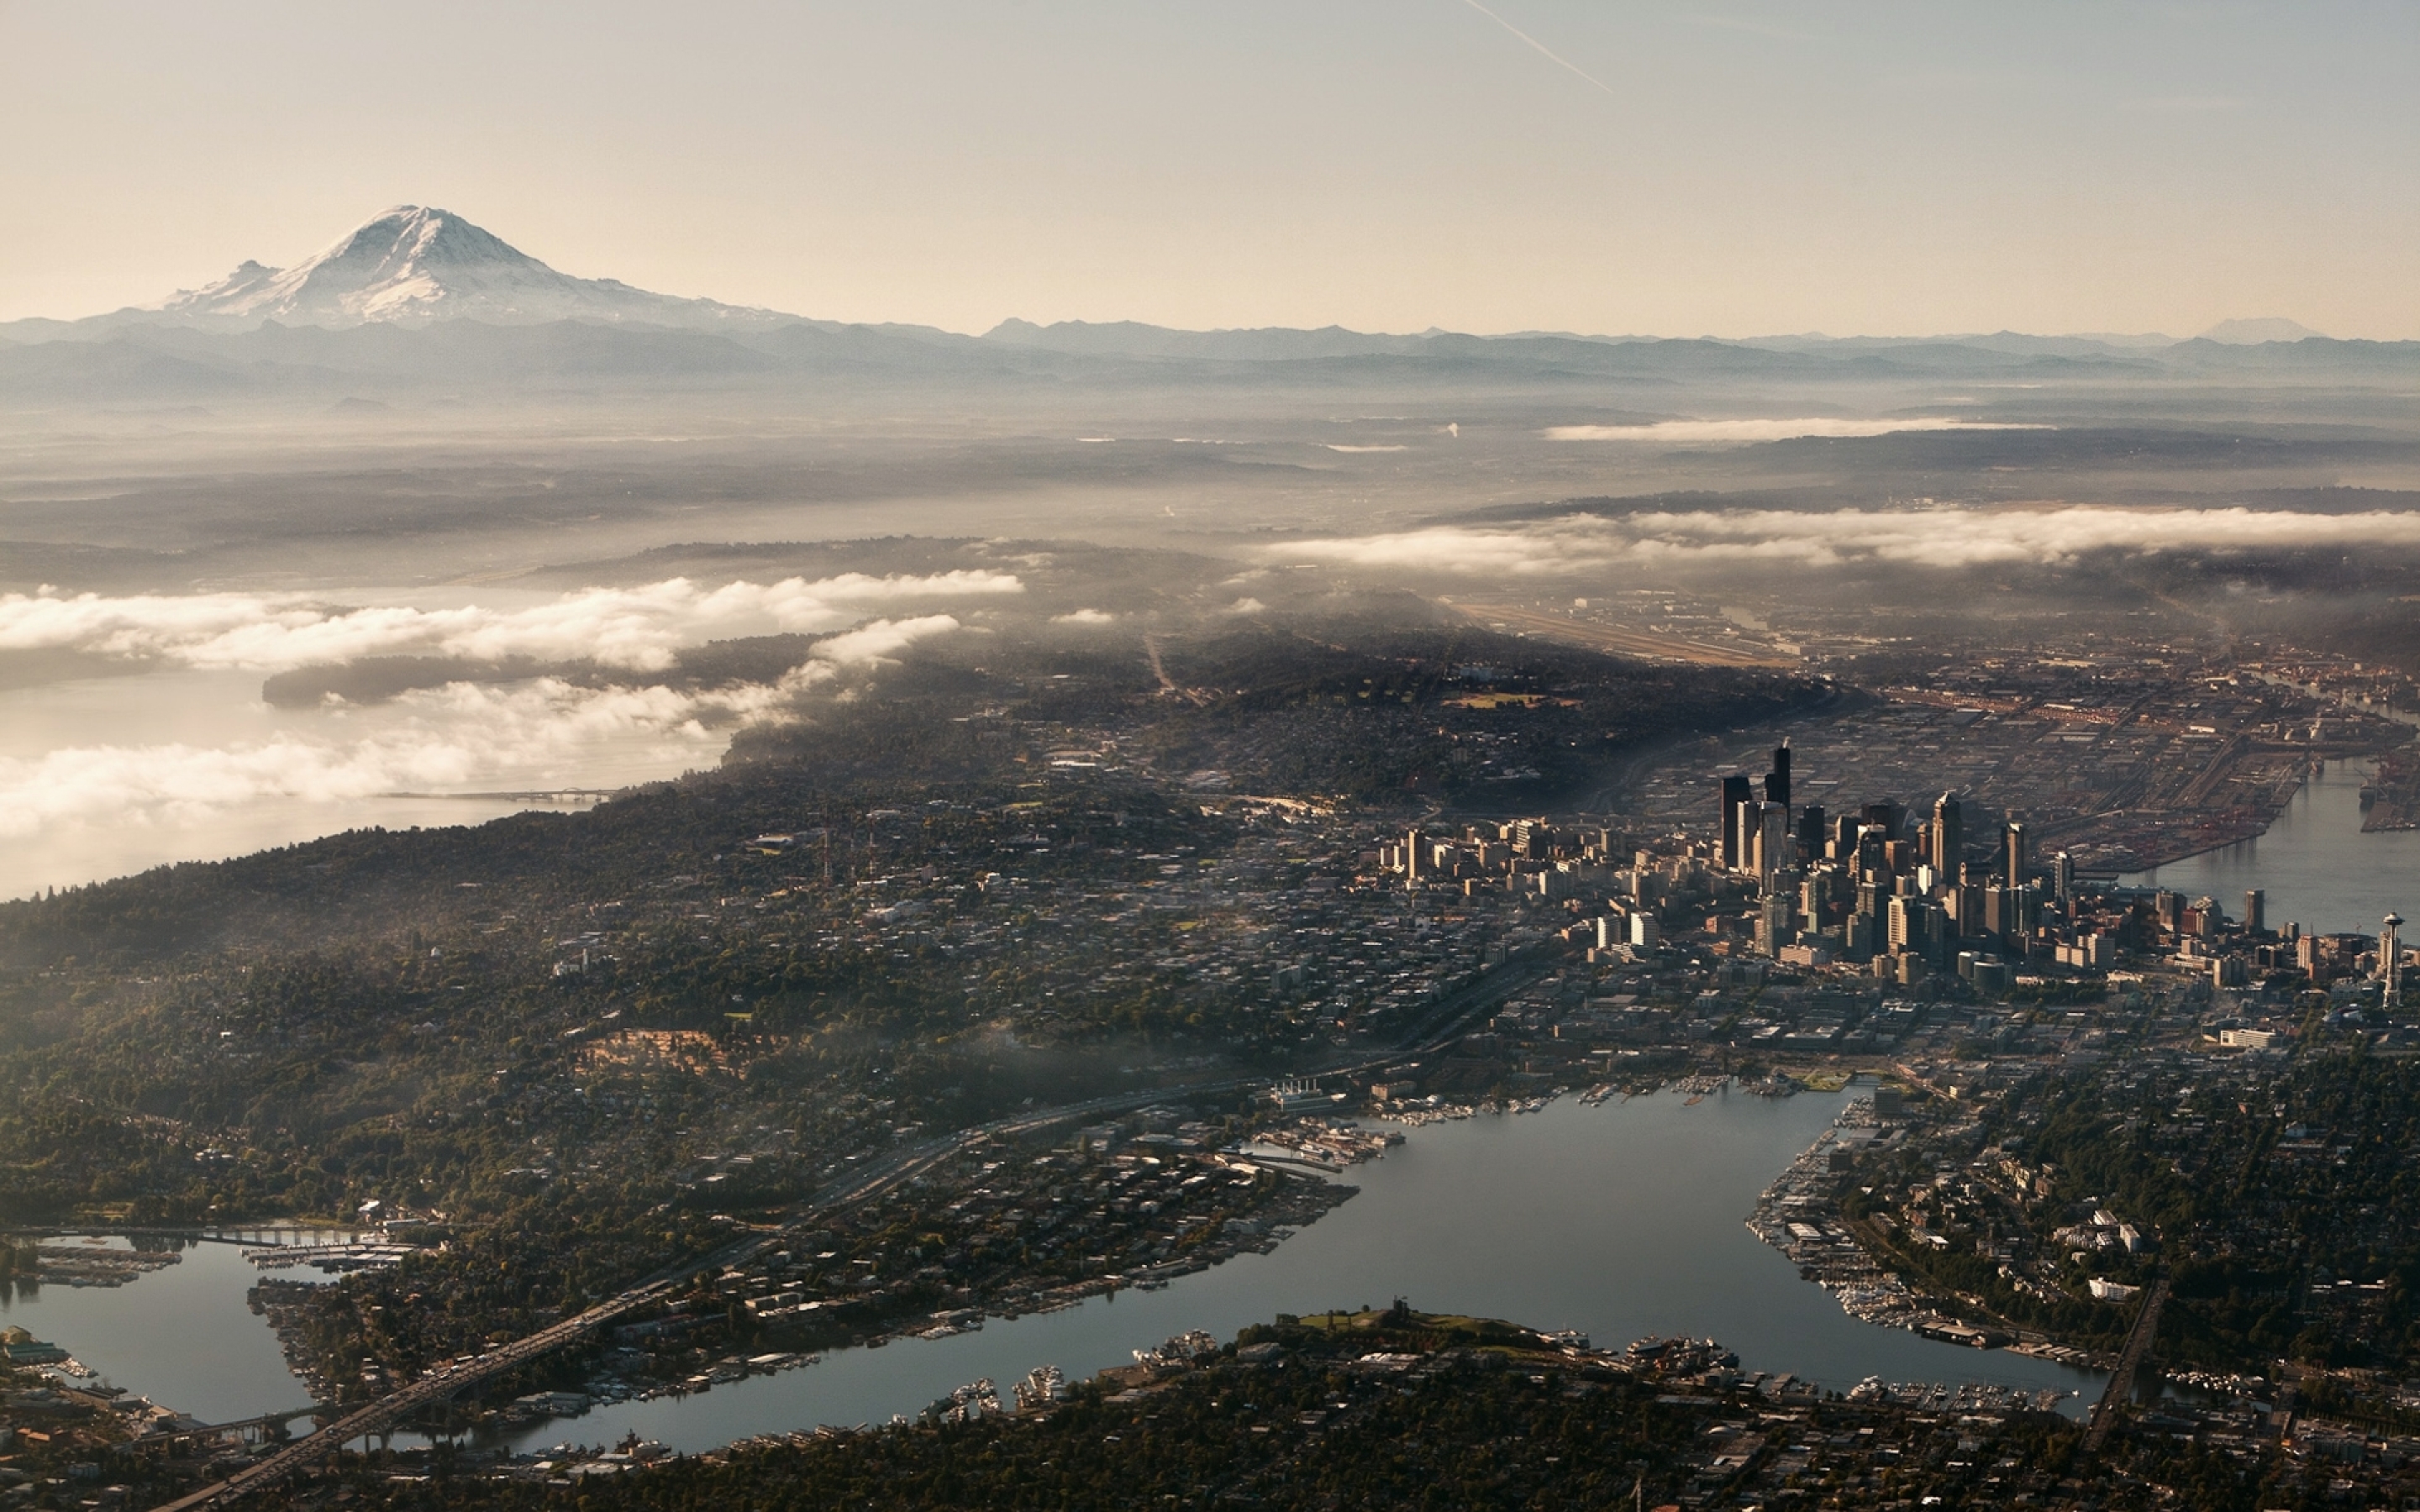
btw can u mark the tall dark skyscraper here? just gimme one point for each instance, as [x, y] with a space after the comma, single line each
[1949, 837]
[2012, 853]
[1845, 828]
[1737, 795]
[1776, 782]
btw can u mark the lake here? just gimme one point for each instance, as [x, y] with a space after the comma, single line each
[180, 1335]
[1622, 1220]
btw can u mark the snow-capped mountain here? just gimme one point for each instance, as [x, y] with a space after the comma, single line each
[415, 265]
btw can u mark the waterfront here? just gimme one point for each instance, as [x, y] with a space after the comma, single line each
[180, 1335]
[2315, 863]
[1621, 1220]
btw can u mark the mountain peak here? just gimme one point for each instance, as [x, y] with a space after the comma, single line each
[2254, 333]
[414, 264]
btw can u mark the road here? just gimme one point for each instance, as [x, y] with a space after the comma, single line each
[426, 1392]
[2121, 1382]
[1437, 1029]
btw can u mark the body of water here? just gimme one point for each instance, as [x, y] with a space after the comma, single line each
[181, 1335]
[2317, 868]
[1622, 1220]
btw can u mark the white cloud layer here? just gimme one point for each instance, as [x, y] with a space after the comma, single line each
[1940, 537]
[1683, 432]
[882, 641]
[639, 628]
[463, 736]
[436, 740]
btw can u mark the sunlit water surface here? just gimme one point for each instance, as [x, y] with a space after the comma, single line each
[2316, 865]
[1622, 1220]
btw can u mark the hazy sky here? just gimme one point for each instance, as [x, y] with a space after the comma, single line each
[1728, 168]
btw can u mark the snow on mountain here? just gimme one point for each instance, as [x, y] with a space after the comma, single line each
[415, 265]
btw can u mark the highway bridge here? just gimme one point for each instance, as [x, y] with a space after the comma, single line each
[382, 1414]
[2121, 1380]
[266, 1425]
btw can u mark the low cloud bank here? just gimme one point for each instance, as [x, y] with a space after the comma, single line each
[463, 736]
[1687, 431]
[1940, 537]
[637, 628]
[434, 740]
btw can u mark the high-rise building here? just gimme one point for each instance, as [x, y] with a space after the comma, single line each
[1776, 782]
[2063, 877]
[1886, 816]
[1845, 829]
[2255, 910]
[2169, 909]
[1948, 835]
[1775, 852]
[1866, 859]
[2008, 912]
[2390, 961]
[1773, 925]
[1915, 928]
[1736, 796]
[1412, 859]
[1810, 834]
[2013, 858]
[1751, 818]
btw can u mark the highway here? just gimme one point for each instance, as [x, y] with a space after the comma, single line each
[2121, 1380]
[1435, 1030]
[426, 1392]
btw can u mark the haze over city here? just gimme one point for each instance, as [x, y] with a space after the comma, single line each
[1098, 756]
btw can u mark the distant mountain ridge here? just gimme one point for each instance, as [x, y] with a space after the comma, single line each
[419, 299]
[2261, 331]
